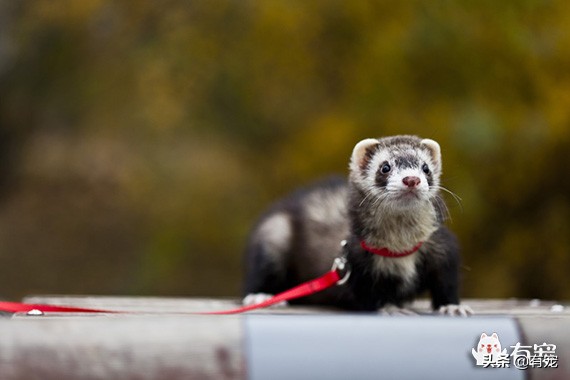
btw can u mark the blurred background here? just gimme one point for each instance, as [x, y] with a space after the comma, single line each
[139, 140]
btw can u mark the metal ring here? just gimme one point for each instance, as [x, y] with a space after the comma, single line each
[339, 264]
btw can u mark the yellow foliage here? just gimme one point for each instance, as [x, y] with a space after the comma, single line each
[176, 123]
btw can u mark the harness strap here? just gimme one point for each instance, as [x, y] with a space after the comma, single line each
[385, 252]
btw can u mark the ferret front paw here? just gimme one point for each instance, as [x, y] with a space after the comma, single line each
[255, 298]
[455, 310]
[396, 311]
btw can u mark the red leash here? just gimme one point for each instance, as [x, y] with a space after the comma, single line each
[305, 289]
[329, 279]
[17, 307]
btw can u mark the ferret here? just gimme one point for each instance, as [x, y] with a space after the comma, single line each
[390, 215]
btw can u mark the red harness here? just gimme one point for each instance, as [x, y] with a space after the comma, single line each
[385, 252]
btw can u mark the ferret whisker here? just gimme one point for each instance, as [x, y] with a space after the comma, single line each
[443, 209]
[376, 202]
[456, 197]
[368, 194]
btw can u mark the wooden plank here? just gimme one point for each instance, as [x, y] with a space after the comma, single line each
[121, 347]
[160, 338]
[173, 305]
[510, 307]
[552, 329]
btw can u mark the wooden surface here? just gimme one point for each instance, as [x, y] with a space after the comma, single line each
[166, 305]
[160, 338]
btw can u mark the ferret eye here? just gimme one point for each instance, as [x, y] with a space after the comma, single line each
[425, 169]
[385, 168]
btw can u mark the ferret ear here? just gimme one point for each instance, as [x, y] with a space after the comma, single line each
[495, 336]
[359, 152]
[434, 150]
[483, 336]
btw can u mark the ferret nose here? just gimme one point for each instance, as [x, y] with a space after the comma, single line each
[411, 181]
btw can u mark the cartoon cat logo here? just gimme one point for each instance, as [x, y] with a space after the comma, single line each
[488, 349]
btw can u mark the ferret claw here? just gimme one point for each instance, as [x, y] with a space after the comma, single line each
[453, 310]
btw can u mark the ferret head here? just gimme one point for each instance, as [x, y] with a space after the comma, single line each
[399, 172]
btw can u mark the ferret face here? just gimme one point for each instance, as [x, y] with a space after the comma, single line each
[397, 172]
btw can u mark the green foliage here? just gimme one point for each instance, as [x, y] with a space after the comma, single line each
[142, 138]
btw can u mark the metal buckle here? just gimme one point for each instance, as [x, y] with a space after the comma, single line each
[340, 264]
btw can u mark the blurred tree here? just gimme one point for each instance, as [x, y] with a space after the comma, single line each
[142, 138]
